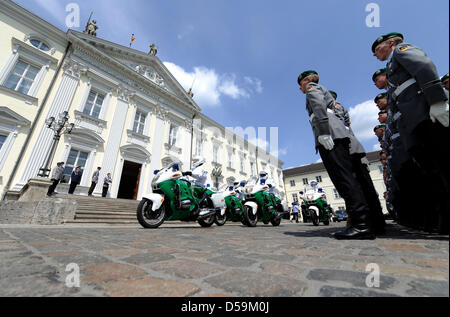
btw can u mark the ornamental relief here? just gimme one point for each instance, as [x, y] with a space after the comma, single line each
[149, 73]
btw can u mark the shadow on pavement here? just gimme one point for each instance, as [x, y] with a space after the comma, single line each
[393, 231]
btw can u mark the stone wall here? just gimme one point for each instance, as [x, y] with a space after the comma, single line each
[43, 212]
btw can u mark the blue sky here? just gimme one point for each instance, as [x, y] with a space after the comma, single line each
[246, 55]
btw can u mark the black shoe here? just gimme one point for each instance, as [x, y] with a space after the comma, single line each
[353, 233]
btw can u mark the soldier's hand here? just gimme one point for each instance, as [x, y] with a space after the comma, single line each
[326, 141]
[439, 112]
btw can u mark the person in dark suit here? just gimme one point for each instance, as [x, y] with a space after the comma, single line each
[75, 179]
[56, 177]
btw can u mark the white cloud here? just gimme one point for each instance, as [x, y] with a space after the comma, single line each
[319, 161]
[185, 32]
[228, 87]
[255, 83]
[376, 147]
[209, 86]
[364, 118]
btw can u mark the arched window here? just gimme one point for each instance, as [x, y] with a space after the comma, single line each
[40, 45]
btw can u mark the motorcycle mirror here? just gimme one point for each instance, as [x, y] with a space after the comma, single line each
[175, 167]
[301, 193]
[156, 172]
[263, 181]
[242, 184]
[231, 188]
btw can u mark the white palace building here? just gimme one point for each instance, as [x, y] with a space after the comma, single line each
[131, 115]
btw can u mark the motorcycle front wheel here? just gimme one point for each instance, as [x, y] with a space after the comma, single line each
[250, 219]
[208, 222]
[221, 220]
[148, 218]
[276, 221]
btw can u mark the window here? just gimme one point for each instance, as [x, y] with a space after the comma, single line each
[319, 179]
[198, 147]
[252, 168]
[292, 183]
[215, 153]
[22, 77]
[305, 181]
[2, 140]
[139, 122]
[230, 160]
[294, 198]
[242, 165]
[173, 135]
[40, 45]
[94, 104]
[336, 194]
[76, 158]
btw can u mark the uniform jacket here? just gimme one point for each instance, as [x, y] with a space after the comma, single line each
[95, 176]
[107, 181]
[409, 61]
[319, 103]
[355, 146]
[76, 177]
[57, 173]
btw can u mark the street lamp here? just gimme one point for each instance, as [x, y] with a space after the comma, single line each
[59, 126]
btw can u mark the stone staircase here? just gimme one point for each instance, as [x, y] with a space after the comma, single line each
[99, 211]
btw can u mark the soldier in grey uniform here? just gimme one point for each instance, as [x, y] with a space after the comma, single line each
[56, 177]
[444, 81]
[361, 169]
[95, 177]
[416, 92]
[380, 79]
[333, 143]
[381, 101]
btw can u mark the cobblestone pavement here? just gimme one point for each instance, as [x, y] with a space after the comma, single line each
[186, 260]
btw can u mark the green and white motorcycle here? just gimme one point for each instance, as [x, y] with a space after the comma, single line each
[174, 197]
[262, 205]
[234, 200]
[316, 205]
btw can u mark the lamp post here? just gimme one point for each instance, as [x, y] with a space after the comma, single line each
[59, 126]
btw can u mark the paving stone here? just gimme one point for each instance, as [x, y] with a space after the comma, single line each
[232, 261]
[428, 288]
[246, 283]
[372, 251]
[150, 287]
[276, 268]
[121, 252]
[357, 279]
[186, 269]
[406, 248]
[307, 253]
[331, 291]
[434, 263]
[275, 257]
[104, 272]
[418, 272]
[146, 258]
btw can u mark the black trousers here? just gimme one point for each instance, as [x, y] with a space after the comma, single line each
[52, 187]
[370, 194]
[432, 154]
[105, 191]
[339, 166]
[295, 216]
[72, 187]
[91, 189]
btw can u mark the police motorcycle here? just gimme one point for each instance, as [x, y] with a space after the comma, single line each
[176, 196]
[315, 203]
[234, 201]
[261, 204]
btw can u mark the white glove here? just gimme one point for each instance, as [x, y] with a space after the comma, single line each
[439, 112]
[326, 141]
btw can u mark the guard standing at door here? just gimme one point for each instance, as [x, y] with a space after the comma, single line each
[106, 182]
[333, 143]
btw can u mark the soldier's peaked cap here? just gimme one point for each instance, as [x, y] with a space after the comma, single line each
[380, 126]
[379, 72]
[380, 96]
[306, 74]
[444, 77]
[333, 93]
[385, 37]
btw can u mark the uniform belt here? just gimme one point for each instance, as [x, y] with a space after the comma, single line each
[403, 87]
[313, 115]
[397, 115]
[395, 136]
